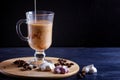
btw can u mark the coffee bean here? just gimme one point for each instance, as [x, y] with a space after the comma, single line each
[79, 76]
[16, 62]
[19, 63]
[24, 64]
[71, 64]
[63, 62]
[34, 66]
[57, 64]
[60, 59]
[83, 73]
[29, 68]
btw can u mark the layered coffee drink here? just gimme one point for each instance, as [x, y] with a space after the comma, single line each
[39, 24]
[40, 35]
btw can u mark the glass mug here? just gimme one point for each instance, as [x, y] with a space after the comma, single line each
[39, 26]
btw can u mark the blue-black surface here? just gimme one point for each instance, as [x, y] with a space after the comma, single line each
[106, 60]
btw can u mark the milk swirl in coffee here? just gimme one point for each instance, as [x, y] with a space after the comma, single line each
[40, 35]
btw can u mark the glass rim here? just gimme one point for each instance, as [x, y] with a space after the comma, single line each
[41, 12]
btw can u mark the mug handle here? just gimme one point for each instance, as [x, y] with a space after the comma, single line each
[18, 24]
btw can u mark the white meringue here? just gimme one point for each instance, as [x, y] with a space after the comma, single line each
[92, 69]
[31, 66]
[89, 69]
[46, 66]
[85, 69]
[61, 69]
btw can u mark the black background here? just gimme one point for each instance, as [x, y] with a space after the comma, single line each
[77, 23]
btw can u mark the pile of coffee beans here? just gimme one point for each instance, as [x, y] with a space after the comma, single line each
[19, 63]
[24, 64]
[63, 62]
[62, 66]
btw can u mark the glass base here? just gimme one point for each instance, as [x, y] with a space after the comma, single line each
[39, 55]
[39, 58]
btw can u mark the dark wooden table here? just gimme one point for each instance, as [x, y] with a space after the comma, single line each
[106, 60]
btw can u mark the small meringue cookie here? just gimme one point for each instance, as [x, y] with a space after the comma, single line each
[61, 69]
[46, 66]
[31, 66]
[57, 69]
[66, 69]
[92, 69]
[89, 69]
[85, 69]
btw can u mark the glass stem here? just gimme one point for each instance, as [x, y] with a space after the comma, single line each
[39, 56]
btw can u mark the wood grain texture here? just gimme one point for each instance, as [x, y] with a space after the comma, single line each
[8, 68]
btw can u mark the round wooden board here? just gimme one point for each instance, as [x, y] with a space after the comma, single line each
[8, 68]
